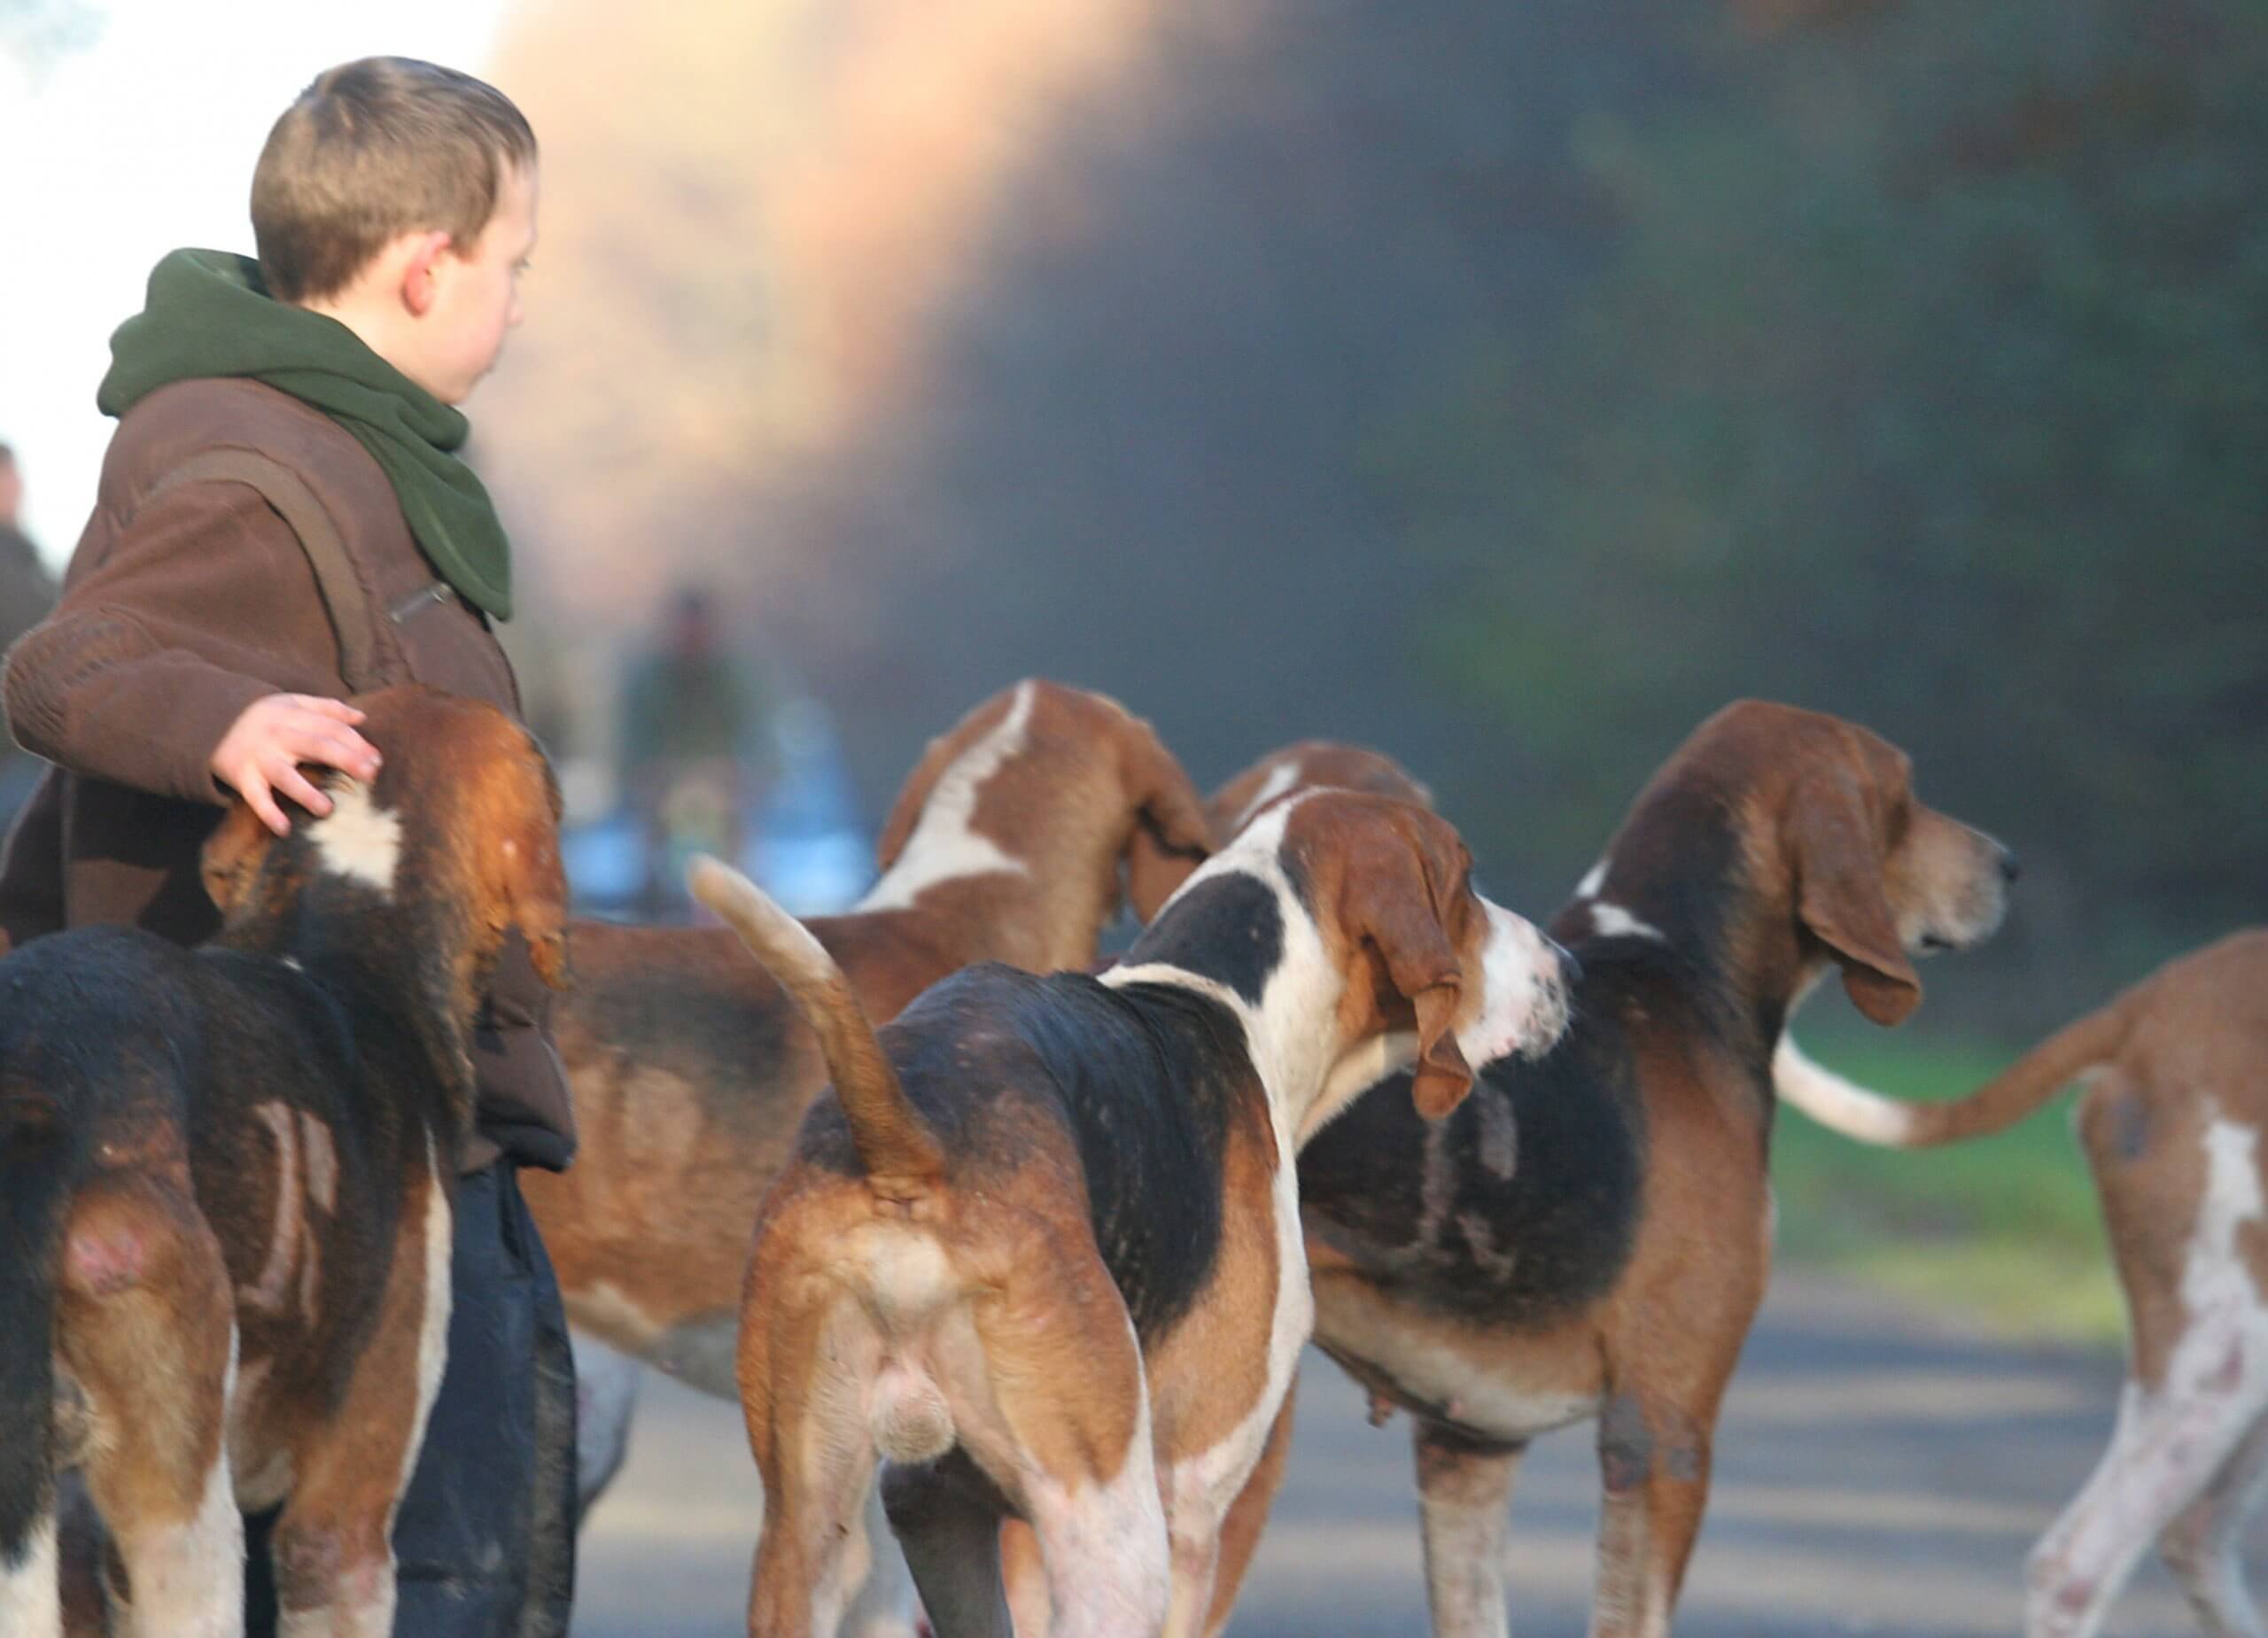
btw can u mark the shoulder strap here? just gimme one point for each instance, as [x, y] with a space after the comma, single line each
[344, 598]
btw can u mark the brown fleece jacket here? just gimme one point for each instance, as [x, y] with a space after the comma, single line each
[176, 615]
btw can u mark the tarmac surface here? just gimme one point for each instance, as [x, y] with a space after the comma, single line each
[1879, 1470]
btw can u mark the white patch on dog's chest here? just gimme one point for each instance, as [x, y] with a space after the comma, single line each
[358, 839]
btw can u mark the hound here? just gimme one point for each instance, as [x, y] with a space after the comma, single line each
[1012, 840]
[1589, 1237]
[1039, 1253]
[2176, 1070]
[1309, 765]
[226, 1177]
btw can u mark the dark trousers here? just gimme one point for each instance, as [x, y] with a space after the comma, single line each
[484, 1541]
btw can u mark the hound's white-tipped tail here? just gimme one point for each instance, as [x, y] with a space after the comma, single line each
[1841, 1105]
[897, 1147]
[1838, 1105]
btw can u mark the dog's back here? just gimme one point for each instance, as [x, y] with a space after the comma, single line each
[2199, 1025]
[1139, 1088]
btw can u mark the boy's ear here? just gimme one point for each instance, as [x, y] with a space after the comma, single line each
[419, 283]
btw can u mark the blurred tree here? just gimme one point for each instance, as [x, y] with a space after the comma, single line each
[1926, 381]
[1507, 385]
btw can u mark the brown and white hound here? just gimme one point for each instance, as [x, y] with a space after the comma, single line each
[2176, 1070]
[225, 1184]
[1014, 840]
[1309, 765]
[1040, 1252]
[1588, 1236]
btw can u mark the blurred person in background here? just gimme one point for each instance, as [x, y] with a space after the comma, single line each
[691, 768]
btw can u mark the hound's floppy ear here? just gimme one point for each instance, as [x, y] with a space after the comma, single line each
[232, 856]
[1838, 894]
[1396, 900]
[1171, 836]
[913, 797]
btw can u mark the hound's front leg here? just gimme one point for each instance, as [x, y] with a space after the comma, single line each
[1654, 1463]
[1463, 1492]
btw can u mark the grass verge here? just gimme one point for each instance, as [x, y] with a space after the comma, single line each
[2005, 1229]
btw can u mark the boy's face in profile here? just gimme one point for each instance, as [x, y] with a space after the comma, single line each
[476, 297]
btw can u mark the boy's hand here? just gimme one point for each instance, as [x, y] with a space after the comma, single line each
[259, 757]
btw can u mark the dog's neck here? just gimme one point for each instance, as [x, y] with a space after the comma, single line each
[1682, 888]
[1288, 1008]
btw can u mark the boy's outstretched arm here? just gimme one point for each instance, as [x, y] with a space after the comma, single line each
[155, 654]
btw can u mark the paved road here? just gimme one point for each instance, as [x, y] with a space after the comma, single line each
[1879, 1471]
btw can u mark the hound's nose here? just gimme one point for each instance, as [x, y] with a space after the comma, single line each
[1571, 971]
[2011, 866]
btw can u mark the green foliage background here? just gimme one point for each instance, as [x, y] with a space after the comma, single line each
[1923, 378]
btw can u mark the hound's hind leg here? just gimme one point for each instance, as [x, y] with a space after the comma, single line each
[2201, 1545]
[147, 1326]
[2165, 1453]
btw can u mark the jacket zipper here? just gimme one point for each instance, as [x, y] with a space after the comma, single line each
[439, 592]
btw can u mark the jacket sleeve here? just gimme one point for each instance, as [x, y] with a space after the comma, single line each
[204, 604]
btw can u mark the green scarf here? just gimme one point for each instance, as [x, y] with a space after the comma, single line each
[209, 313]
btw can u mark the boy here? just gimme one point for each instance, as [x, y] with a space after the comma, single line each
[200, 649]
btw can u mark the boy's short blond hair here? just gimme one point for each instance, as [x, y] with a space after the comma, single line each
[373, 149]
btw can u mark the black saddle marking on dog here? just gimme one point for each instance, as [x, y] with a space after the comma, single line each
[1227, 928]
[1144, 1084]
[1439, 1218]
